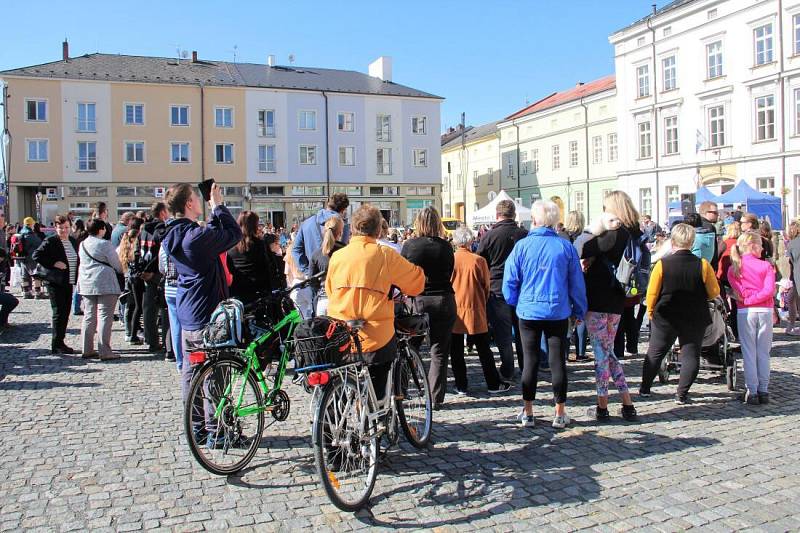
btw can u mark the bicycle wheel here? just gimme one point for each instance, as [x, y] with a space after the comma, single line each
[345, 445]
[414, 402]
[225, 444]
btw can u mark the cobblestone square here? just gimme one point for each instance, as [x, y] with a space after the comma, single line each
[98, 446]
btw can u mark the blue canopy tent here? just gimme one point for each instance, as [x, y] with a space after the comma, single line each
[761, 204]
[674, 212]
[705, 195]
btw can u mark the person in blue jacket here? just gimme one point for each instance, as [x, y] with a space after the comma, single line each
[544, 281]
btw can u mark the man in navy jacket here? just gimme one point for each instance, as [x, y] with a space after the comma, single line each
[195, 251]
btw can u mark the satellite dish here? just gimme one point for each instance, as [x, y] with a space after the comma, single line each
[492, 195]
[184, 54]
[291, 59]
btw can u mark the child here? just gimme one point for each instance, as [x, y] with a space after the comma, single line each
[752, 280]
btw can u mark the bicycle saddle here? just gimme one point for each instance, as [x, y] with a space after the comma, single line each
[356, 324]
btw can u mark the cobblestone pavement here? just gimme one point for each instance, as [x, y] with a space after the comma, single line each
[91, 445]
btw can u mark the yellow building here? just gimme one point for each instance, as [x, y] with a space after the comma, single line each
[278, 138]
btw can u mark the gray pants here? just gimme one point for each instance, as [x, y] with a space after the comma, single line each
[98, 316]
[189, 340]
[755, 334]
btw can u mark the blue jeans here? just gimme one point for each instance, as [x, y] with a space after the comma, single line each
[579, 339]
[175, 329]
[505, 330]
[76, 303]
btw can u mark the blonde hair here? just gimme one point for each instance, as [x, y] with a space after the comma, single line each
[544, 213]
[334, 227]
[793, 231]
[618, 203]
[575, 222]
[733, 231]
[290, 262]
[428, 223]
[682, 236]
[744, 244]
[127, 248]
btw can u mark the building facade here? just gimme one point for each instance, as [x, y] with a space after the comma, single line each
[564, 148]
[709, 94]
[470, 171]
[279, 139]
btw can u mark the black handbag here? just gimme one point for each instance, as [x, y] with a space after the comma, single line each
[51, 276]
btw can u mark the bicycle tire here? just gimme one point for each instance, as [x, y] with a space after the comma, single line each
[228, 436]
[358, 456]
[413, 389]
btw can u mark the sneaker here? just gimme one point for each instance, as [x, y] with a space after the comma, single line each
[596, 413]
[461, 392]
[526, 421]
[42, 296]
[504, 386]
[794, 332]
[561, 421]
[78, 313]
[763, 398]
[109, 357]
[169, 356]
[683, 400]
[749, 399]
[135, 341]
[27, 296]
[645, 393]
[90, 355]
[628, 412]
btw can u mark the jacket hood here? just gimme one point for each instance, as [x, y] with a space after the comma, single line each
[175, 232]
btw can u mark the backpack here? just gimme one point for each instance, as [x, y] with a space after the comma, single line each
[633, 271]
[703, 246]
[17, 249]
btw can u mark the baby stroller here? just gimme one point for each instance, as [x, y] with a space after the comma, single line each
[716, 354]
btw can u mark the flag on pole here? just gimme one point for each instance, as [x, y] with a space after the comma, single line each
[700, 142]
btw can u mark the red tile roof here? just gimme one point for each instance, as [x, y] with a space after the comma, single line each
[577, 92]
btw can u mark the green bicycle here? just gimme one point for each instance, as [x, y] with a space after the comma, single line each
[243, 361]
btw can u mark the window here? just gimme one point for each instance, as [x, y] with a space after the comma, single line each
[179, 152]
[670, 135]
[645, 150]
[645, 201]
[597, 149]
[179, 115]
[420, 157]
[640, 41]
[223, 117]
[384, 128]
[384, 159]
[716, 125]
[475, 180]
[134, 114]
[612, 147]
[266, 158]
[347, 156]
[573, 153]
[87, 156]
[266, 123]
[712, 14]
[510, 167]
[669, 75]
[667, 31]
[673, 194]
[224, 154]
[86, 117]
[490, 174]
[37, 150]
[308, 155]
[556, 152]
[797, 111]
[765, 118]
[87, 191]
[766, 185]
[36, 110]
[714, 59]
[307, 120]
[344, 122]
[763, 44]
[459, 182]
[580, 203]
[796, 34]
[419, 125]
[524, 163]
[535, 159]
[643, 79]
[134, 152]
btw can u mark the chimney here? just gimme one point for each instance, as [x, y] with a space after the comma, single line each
[381, 68]
[65, 50]
[194, 56]
[579, 84]
[270, 60]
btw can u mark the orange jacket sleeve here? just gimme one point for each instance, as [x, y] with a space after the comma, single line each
[710, 281]
[654, 288]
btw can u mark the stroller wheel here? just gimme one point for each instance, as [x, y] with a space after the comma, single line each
[663, 372]
[730, 378]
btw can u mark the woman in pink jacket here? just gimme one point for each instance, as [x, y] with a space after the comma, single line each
[753, 282]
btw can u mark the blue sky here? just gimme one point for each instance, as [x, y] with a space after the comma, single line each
[485, 57]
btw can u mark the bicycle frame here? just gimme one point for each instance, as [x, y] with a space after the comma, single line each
[291, 320]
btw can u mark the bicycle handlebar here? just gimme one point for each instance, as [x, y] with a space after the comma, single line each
[281, 293]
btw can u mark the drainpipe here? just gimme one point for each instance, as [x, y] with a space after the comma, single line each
[327, 151]
[783, 119]
[655, 114]
[5, 148]
[519, 168]
[202, 139]
[464, 176]
[586, 141]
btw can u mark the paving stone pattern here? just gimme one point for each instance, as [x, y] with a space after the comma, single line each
[98, 446]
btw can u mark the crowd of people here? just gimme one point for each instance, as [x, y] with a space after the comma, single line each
[534, 293]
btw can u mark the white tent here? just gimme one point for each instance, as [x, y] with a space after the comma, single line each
[488, 213]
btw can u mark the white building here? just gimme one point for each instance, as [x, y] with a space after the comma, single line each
[564, 148]
[709, 94]
[470, 171]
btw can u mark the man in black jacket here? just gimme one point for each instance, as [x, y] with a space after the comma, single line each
[150, 241]
[709, 215]
[495, 246]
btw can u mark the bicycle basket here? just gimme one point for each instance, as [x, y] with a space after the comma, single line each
[323, 341]
[412, 325]
[224, 330]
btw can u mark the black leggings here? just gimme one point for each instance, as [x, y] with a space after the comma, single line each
[555, 331]
[662, 336]
[133, 309]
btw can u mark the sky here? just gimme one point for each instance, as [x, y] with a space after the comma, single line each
[486, 58]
